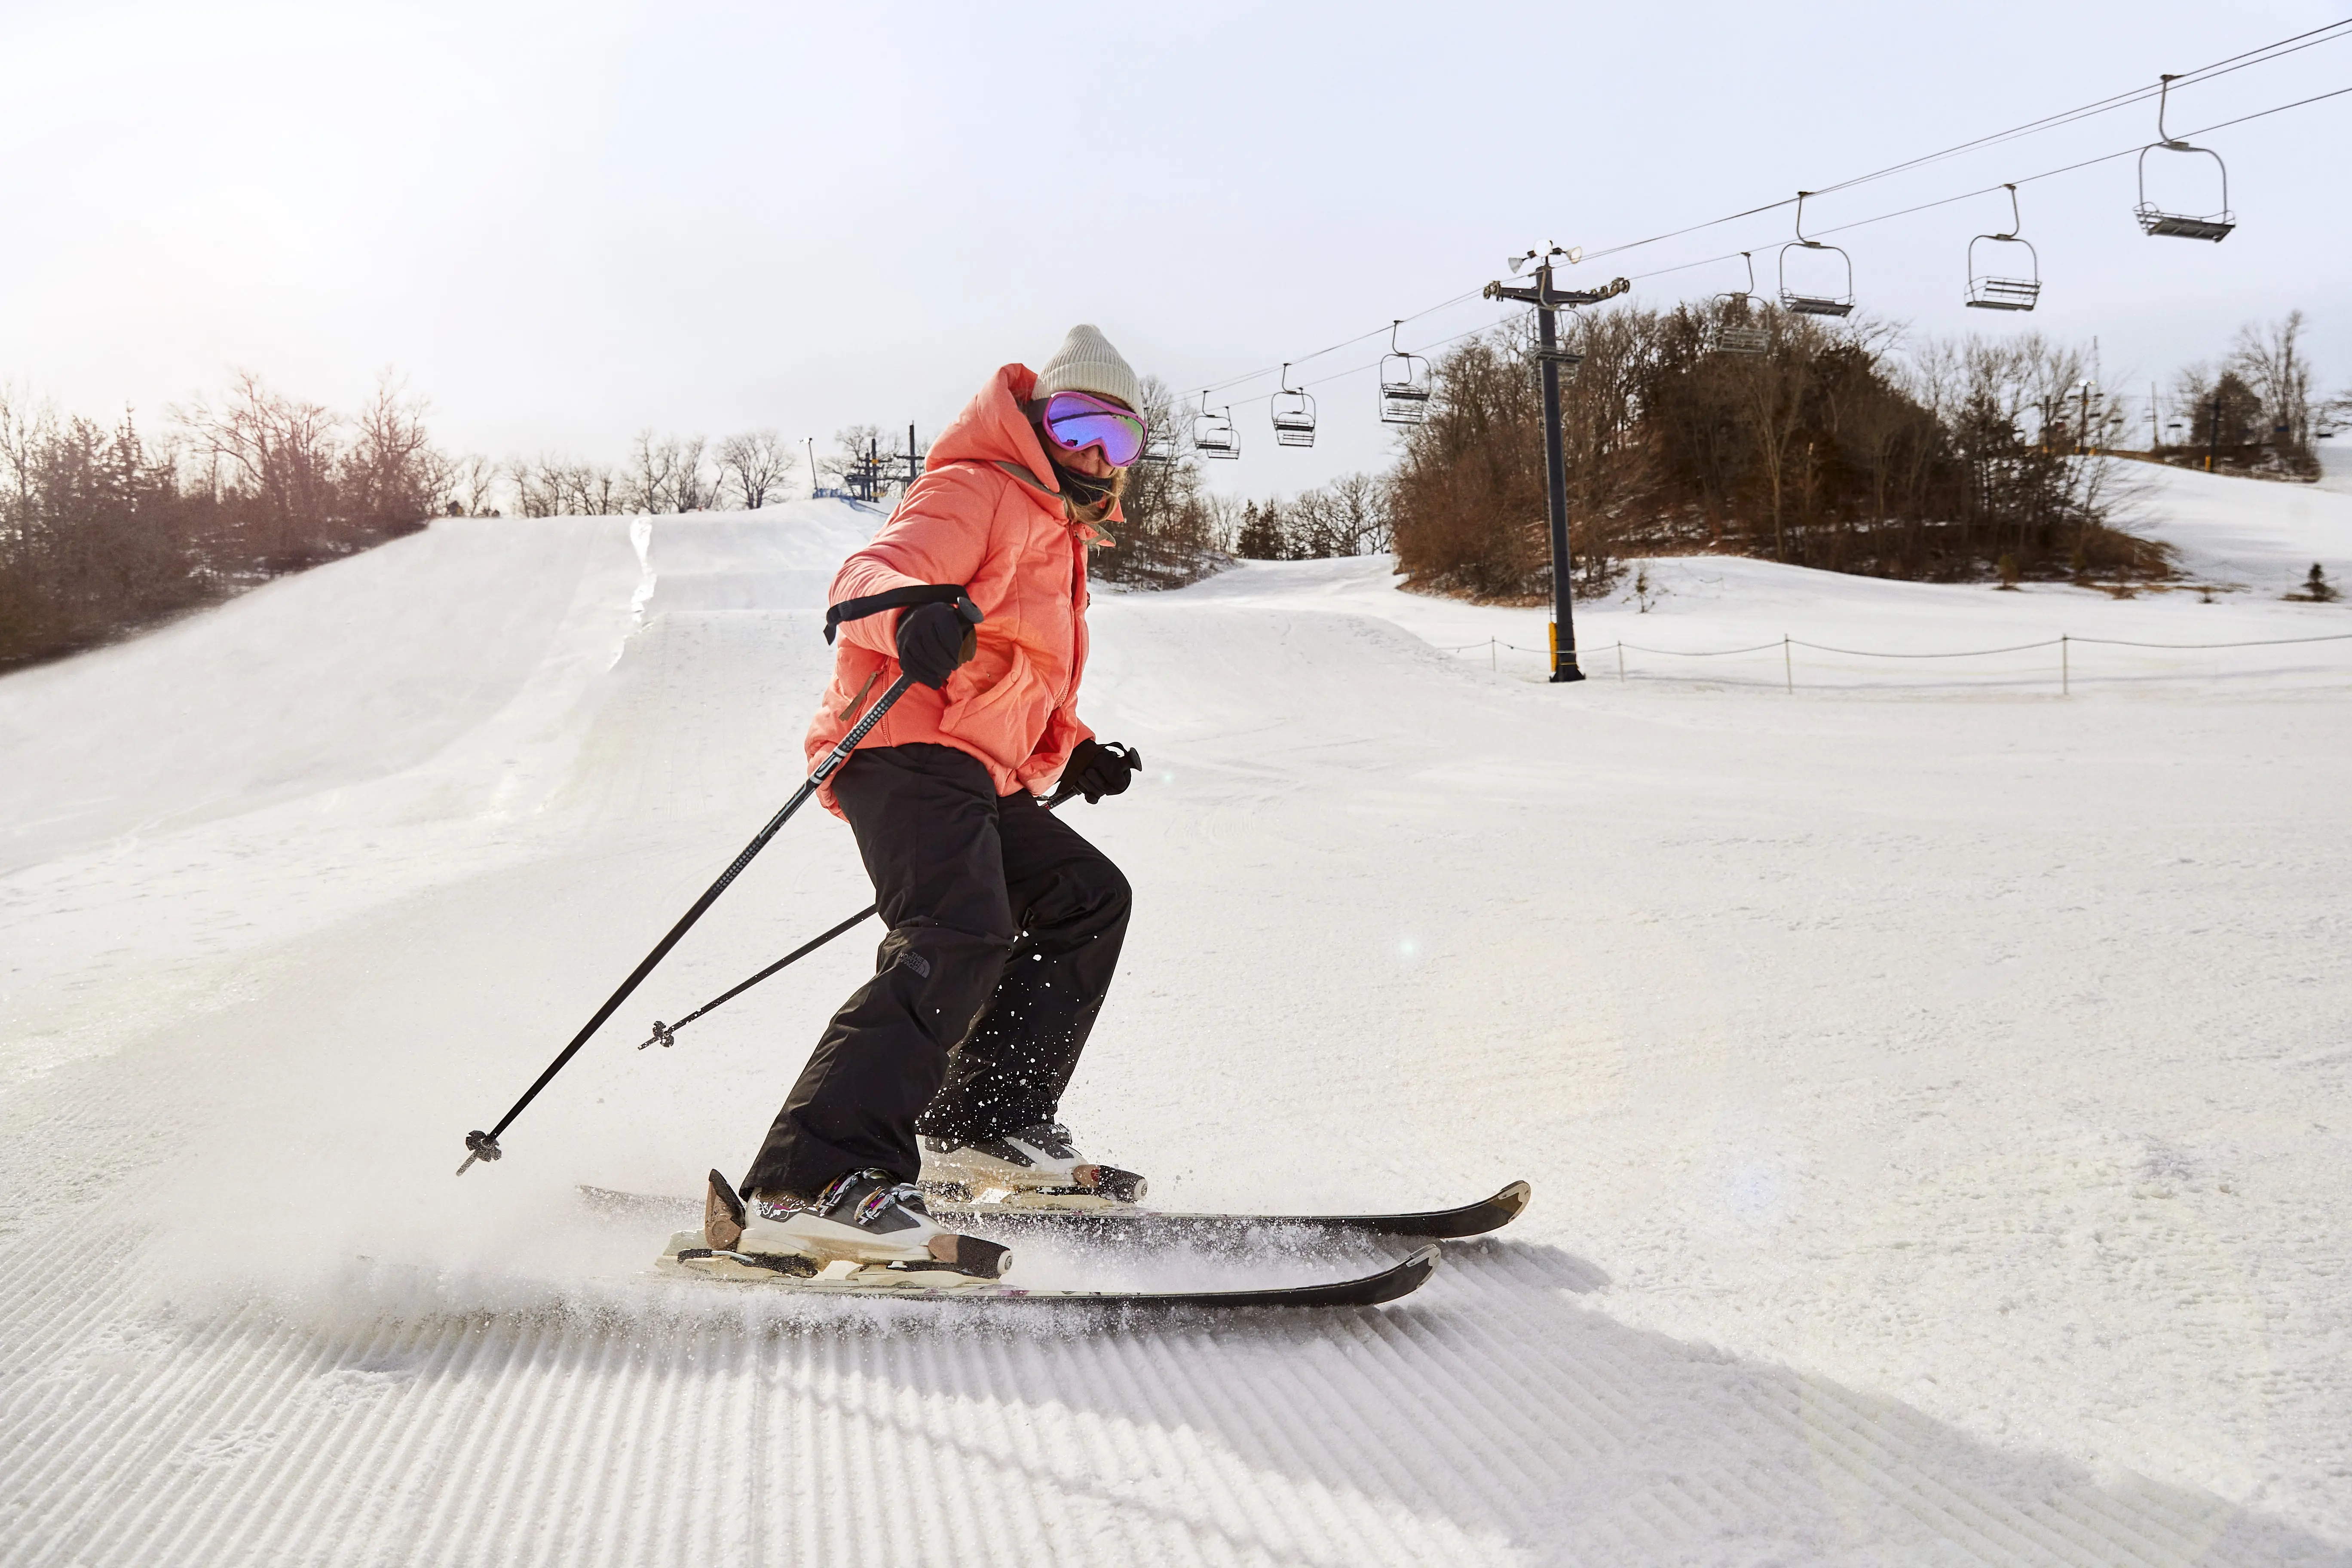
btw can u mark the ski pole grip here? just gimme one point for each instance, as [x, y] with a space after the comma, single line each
[903, 598]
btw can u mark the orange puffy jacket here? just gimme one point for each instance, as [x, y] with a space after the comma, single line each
[985, 513]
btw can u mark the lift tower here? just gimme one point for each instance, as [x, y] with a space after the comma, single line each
[1550, 359]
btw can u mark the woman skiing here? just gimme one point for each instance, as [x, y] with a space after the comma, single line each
[948, 1066]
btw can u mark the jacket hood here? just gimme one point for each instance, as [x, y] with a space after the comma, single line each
[992, 429]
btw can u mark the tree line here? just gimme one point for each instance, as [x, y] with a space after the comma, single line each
[104, 528]
[1836, 447]
[1826, 450]
[661, 474]
[2257, 411]
[1955, 460]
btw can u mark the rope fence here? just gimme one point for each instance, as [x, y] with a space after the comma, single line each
[2064, 643]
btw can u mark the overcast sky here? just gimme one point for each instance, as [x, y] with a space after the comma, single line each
[564, 223]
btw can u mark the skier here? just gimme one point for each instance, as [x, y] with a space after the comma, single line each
[1004, 924]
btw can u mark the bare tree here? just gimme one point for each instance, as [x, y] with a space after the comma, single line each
[391, 473]
[668, 475]
[2334, 412]
[2225, 413]
[1776, 388]
[277, 453]
[473, 485]
[851, 446]
[2270, 359]
[755, 466]
[560, 487]
[1350, 516]
[532, 496]
[25, 427]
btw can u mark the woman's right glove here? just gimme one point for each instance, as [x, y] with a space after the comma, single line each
[1096, 770]
[933, 640]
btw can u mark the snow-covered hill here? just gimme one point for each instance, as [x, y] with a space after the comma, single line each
[1936, 1092]
[2242, 547]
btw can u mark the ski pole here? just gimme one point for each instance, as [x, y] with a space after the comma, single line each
[482, 1145]
[666, 1034]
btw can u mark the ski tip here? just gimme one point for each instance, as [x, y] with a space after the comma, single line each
[1471, 1219]
[1406, 1277]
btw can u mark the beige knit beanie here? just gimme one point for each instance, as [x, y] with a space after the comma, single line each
[1087, 362]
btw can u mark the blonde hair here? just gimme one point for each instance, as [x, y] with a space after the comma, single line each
[1092, 515]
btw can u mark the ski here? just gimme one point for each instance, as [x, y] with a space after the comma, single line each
[1157, 1226]
[686, 1256]
[1127, 1223]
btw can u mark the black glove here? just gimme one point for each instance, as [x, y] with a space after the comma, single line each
[1096, 770]
[933, 640]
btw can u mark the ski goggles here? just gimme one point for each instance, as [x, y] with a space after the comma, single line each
[1078, 420]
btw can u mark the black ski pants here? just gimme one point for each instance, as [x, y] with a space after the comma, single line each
[1004, 929]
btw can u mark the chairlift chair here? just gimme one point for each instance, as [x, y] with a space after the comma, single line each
[1740, 329]
[1212, 434]
[1294, 415]
[2153, 220]
[1819, 303]
[1990, 291]
[1404, 385]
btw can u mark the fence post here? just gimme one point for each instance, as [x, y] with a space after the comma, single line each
[1620, 661]
[1494, 656]
[2065, 676]
[1788, 666]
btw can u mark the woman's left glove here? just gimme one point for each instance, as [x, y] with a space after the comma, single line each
[1096, 770]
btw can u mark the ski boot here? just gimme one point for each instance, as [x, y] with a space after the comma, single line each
[863, 1228]
[1033, 1168]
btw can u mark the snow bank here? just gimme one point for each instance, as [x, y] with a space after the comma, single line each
[2243, 545]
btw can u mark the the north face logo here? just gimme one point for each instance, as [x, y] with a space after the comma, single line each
[918, 964]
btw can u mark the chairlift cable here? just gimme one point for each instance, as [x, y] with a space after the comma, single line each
[2268, 52]
[1334, 348]
[2025, 179]
[1839, 228]
[2261, 55]
[2136, 95]
[1370, 364]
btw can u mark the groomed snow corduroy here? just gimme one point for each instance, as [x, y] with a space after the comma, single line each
[1087, 362]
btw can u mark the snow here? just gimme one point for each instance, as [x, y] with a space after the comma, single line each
[1934, 1088]
[2335, 463]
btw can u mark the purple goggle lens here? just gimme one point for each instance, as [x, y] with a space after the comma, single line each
[1077, 421]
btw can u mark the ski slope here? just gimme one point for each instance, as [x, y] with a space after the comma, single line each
[1934, 1088]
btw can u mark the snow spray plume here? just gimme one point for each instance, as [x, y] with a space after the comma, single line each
[480, 1145]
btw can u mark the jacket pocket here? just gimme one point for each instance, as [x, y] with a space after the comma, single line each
[1005, 720]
